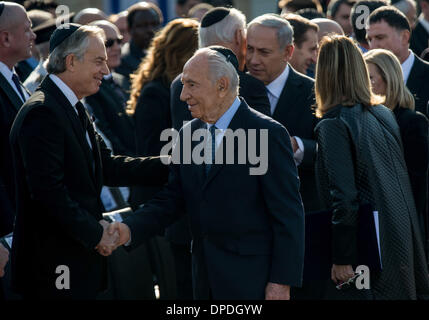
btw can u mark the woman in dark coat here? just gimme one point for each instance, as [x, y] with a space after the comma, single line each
[360, 161]
[386, 80]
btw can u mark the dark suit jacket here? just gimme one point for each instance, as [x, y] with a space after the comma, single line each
[247, 230]
[58, 180]
[151, 117]
[418, 84]
[110, 117]
[131, 58]
[251, 90]
[414, 134]
[294, 111]
[419, 39]
[10, 103]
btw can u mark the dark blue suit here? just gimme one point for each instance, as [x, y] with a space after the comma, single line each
[247, 230]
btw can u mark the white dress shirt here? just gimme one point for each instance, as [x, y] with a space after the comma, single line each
[274, 90]
[7, 73]
[407, 65]
[71, 97]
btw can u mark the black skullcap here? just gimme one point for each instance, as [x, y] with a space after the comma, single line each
[228, 54]
[213, 16]
[1, 7]
[62, 33]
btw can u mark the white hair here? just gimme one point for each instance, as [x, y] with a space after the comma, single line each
[220, 67]
[405, 5]
[222, 31]
[283, 27]
[77, 43]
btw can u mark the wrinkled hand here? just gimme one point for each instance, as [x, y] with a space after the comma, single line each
[4, 258]
[294, 144]
[108, 242]
[275, 291]
[341, 273]
[122, 230]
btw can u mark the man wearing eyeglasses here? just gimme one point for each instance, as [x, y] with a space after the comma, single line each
[109, 103]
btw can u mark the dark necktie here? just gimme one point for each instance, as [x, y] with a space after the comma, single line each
[213, 149]
[87, 128]
[17, 83]
[82, 115]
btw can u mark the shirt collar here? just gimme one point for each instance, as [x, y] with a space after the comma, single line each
[424, 22]
[70, 95]
[276, 86]
[108, 76]
[407, 65]
[224, 121]
[6, 72]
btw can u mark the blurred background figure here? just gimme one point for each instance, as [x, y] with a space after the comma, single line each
[109, 103]
[420, 35]
[183, 7]
[149, 105]
[386, 80]
[89, 15]
[340, 11]
[409, 8]
[198, 11]
[143, 19]
[44, 5]
[305, 41]
[310, 13]
[291, 6]
[358, 25]
[388, 28]
[369, 170]
[120, 21]
[326, 27]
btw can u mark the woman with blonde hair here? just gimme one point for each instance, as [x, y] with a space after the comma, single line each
[386, 80]
[359, 164]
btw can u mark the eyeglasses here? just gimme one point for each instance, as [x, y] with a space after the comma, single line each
[111, 42]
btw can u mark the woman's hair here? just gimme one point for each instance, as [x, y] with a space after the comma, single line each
[341, 76]
[390, 70]
[169, 50]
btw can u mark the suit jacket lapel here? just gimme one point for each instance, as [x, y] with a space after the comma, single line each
[284, 108]
[237, 122]
[415, 74]
[199, 170]
[10, 92]
[52, 88]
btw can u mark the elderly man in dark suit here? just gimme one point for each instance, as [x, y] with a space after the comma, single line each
[388, 28]
[61, 165]
[227, 28]
[16, 40]
[247, 227]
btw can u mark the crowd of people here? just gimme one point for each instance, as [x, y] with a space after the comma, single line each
[333, 94]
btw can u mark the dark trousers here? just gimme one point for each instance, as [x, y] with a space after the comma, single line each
[183, 267]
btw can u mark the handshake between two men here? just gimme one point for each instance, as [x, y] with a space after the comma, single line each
[115, 234]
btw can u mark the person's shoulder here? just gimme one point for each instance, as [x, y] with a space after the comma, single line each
[259, 120]
[421, 64]
[249, 80]
[298, 76]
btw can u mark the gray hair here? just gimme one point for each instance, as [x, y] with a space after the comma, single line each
[283, 27]
[219, 67]
[222, 31]
[77, 43]
[405, 5]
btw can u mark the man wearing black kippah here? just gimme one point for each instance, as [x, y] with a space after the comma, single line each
[223, 27]
[61, 164]
[16, 41]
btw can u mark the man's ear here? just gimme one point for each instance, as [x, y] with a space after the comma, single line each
[405, 37]
[5, 39]
[222, 87]
[70, 62]
[288, 52]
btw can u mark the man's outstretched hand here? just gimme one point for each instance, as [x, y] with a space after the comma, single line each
[108, 242]
[122, 230]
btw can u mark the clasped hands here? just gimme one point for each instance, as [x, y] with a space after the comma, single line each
[115, 234]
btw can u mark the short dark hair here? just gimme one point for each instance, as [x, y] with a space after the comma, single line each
[138, 7]
[360, 33]
[296, 5]
[392, 16]
[300, 26]
[335, 5]
[310, 13]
